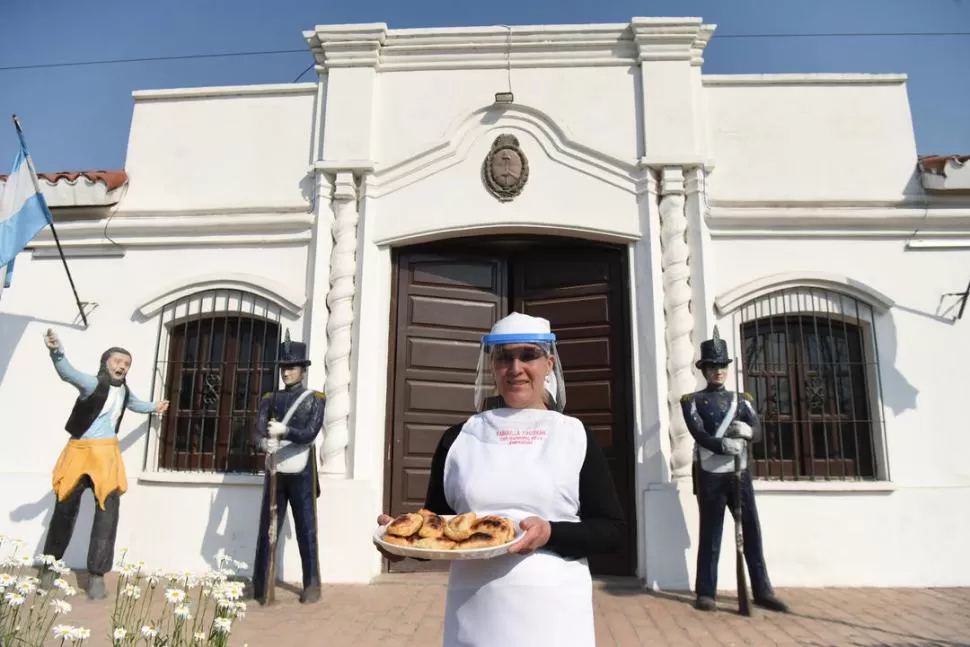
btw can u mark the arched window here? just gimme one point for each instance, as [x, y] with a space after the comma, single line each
[215, 362]
[810, 361]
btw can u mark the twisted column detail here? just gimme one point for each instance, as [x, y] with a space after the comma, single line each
[675, 265]
[340, 302]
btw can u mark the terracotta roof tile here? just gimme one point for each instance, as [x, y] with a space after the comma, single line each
[936, 163]
[111, 179]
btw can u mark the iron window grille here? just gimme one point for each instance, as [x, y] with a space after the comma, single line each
[810, 361]
[215, 357]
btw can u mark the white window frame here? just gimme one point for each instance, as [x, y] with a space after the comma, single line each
[230, 295]
[829, 297]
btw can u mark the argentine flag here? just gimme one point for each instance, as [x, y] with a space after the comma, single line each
[23, 211]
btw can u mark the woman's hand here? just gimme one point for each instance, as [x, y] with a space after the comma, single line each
[537, 533]
[383, 520]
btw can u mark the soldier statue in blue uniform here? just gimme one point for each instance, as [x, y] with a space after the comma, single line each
[722, 422]
[287, 425]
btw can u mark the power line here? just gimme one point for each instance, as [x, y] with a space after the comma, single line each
[148, 59]
[300, 75]
[274, 52]
[849, 34]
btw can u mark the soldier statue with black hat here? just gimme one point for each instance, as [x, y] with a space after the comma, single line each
[288, 423]
[722, 422]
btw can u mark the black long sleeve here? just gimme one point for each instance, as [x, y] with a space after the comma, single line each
[601, 523]
[435, 499]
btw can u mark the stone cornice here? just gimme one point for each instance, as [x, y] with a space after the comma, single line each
[929, 219]
[700, 44]
[347, 45]
[182, 229]
[352, 166]
[518, 46]
[802, 79]
[671, 39]
[266, 89]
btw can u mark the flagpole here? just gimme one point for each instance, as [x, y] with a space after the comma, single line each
[50, 220]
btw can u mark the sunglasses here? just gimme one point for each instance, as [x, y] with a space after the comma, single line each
[524, 355]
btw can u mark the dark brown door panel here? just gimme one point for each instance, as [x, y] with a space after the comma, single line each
[446, 297]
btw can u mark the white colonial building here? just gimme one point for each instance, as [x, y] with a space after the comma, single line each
[433, 180]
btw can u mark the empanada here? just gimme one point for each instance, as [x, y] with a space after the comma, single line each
[434, 526]
[434, 543]
[459, 527]
[480, 540]
[398, 541]
[427, 530]
[405, 525]
[499, 527]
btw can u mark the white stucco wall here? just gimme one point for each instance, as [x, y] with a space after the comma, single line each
[173, 525]
[810, 137]
[814, 176]
[909, 533]
[215, 198]
[222, 148]
[221, 185]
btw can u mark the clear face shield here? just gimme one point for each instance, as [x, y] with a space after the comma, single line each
[528, 356]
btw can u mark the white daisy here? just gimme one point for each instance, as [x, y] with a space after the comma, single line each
[79, 633]
[61, 606]
[26, 586]
[175, 596]
[62, 631]
[60, 567]
[14, 599]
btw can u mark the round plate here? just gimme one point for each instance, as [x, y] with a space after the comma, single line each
[429, 553]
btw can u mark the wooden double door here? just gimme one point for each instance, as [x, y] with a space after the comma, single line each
[448, 295]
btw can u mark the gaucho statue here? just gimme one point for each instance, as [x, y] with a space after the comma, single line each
[92, 458]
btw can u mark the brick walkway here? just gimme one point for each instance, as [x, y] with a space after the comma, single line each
[400, 613]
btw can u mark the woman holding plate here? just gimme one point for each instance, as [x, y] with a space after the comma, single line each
[521, 458]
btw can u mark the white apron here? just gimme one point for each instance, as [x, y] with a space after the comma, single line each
[518, 463]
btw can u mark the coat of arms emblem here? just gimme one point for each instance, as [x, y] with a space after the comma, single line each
[505, 169]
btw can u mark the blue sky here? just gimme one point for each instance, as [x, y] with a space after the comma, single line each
[77, 117]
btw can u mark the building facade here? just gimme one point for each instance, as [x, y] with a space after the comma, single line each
[434, 180]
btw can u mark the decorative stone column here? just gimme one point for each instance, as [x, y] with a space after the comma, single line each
[340, 300]
[699, 239]
[679, 324]
[315, 314]
[318, 281]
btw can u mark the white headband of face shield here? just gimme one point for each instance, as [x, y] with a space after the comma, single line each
[519, 329]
